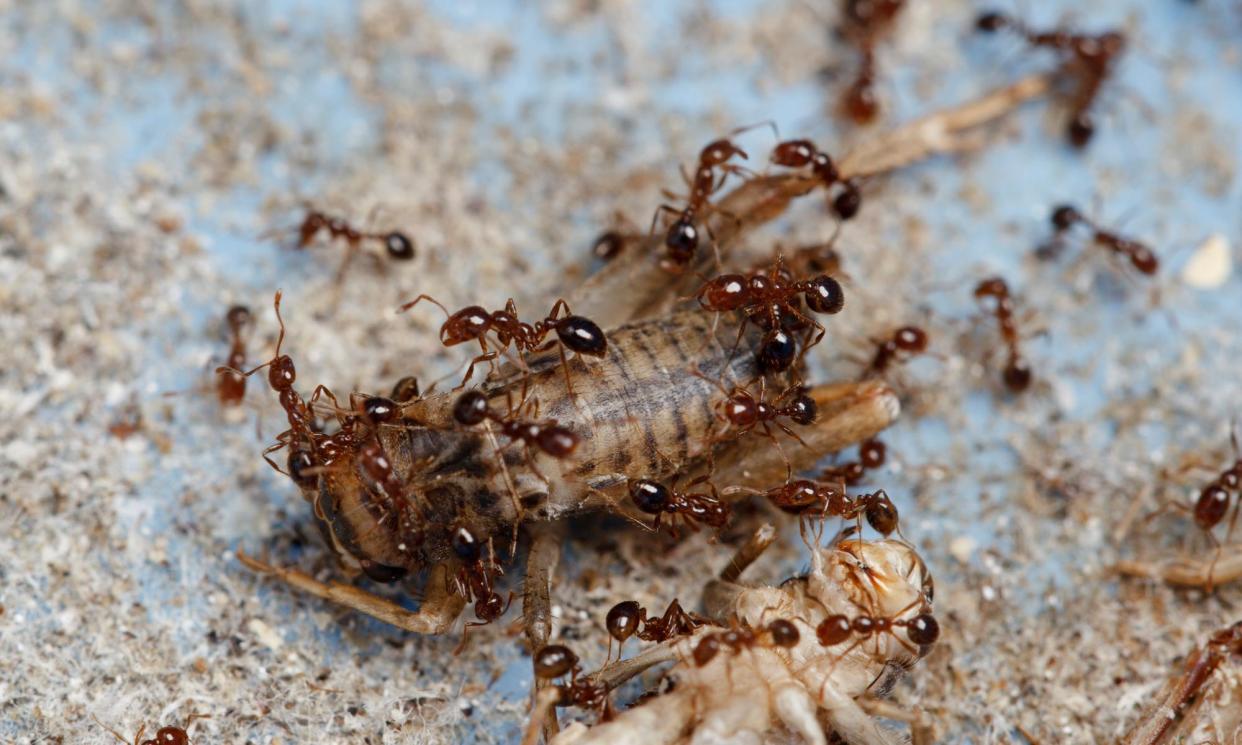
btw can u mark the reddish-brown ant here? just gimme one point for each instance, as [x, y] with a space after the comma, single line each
[829, 499]
[903, 343]
[921, 630]
[1089, 59]
[472, 408]
[579, 334]
[803, 153]
[779, 633]
[230, 386]
[743, 412]
[681, 241]
[866, 21]
[628, 618]
[1213, 505]
[1065, 217]
[169, 735]
[694, 508]
[871, 455]
[555, 661]
[477, 577]
[396, 244]
[769, 299]
[993, 293]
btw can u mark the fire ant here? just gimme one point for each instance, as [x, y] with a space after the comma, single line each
[866, 22]
[472, 408]
[579, 334]
[993, 293]
[681, 241]
[871, 455]
[1213, 505]
[828, 499]
[396, 243]
[555, 661]
[768, 299]
[921, 630]
[231, 387]
[1065, 217]
[802, 153]
[628, 618]
[695, 508]
[906, 341]
[169, 735]
[743, 412]
[477, 577]
[779, 633]
[1089, 59]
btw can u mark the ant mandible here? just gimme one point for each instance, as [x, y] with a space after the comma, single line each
[396, 244]
[681, 241]
[803, 153]
[1066, 216]
[993, 293]
[579, 334]
[1089, 59]
[865, 22]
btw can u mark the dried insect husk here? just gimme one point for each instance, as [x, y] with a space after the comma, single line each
[744, 697]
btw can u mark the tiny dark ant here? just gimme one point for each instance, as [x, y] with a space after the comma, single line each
[230, 386]
[865, 22]
[681, 241]
[903, 343]
[871, 455]
[1089, 59]
[1065, 217]
[803, 153]
[396, 244]
[1213, 503]
[993, 293]
[779, 633]
[556, 661]
[628, 618]
[579, 334]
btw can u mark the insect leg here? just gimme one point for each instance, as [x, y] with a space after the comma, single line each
[719, 593]
[440, 606]
[545, 554]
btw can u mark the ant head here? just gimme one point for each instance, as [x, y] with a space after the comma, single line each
[871, 453]
[1017, 374]
[466, 546]
[556, 441]
[991, 21]
[466, 324]
[1080, 129]
[300, 463]
[405, 389]
[794, 153]
[833, 630]
[649, 496]
[399, 246]
[910, 339]
[741, 408]
[724, 293]
[379, 410]
[784, 633]
[825, 295]
[719, 152]
[803, 410]
[881, 513]
[1064, 216]
[993, 287]
[777, 352]
[238, 317]
[471, 408]
[1143, 259]
[281, 373]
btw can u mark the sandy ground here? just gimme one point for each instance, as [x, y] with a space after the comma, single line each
[147, 158]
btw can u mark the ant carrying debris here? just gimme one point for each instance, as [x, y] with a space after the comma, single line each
[579, 334]
[397, 245]
[993, 294]
[1088, 60]
[866, 22]
[1066, 217]
[681, 241]
[769, 299]
[803, 153]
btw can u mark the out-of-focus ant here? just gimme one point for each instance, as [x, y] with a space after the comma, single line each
[866, 22]
[556, 661]
[1066, 217]
[681, 240]
[397, 245]
[903, 343]
[993, 294]
[577, 333]
[769, 299]
[230, 386]
[169, 735]
[803, 153]
[1088, 60]
[871, 455]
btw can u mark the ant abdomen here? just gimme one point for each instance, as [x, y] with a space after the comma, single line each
[582, 335]
[1211, 507]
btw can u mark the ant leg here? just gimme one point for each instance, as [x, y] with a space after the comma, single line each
[440, 606]
[487, 356]
[542, 714]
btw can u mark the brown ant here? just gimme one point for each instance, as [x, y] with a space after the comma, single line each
[866, 22]
[555, 661]
[803, 153]
[768, 298]
[695, 508]
[871, 455]
[1065, 217]
[579, 334]
[231, 387]
[477, 577]
[1089, 59]
[1213, 505]
[681, 241]
[828, 499]
[472, 408]
[743, 412]
[396, 244]
[779, 633]
[169, 735]
[993, 293]
[628, 618]
[904, 342]
[921, 630]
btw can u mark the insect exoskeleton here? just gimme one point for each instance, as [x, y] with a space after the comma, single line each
[774, 680]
